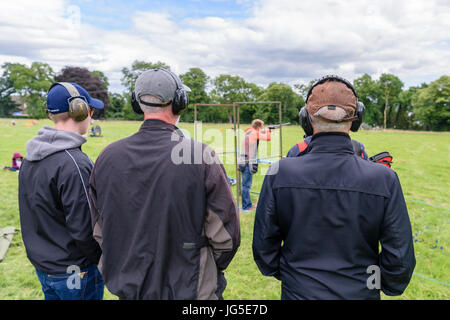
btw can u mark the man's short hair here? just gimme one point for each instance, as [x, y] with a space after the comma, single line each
[152, 99]
[57, 117]
[331, 113]
[257, 123]
[320, 124]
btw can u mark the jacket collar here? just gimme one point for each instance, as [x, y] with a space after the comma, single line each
[155, 124]
[331, 142]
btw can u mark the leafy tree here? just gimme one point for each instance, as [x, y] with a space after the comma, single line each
[197, 81]
[89, 81]
[370, 93]
[102, 77]
[304, 88]
[7, 105]
[404, 117]
[391, 86]
[129, 76]
[128, 113]
[432, 106]
[117, 103]
[32, 84]
[291, 103]
[229, 89]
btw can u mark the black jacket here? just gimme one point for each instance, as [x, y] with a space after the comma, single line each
[53, 202]
[331, 209]
[165, 217]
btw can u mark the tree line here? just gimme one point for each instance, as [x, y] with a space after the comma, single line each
[388, 103]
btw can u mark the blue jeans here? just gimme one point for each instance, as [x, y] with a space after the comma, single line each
[57, 286]
[246, 186]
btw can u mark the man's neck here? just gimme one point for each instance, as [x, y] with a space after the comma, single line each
[67, 126]
[334, 131]
[161, 116]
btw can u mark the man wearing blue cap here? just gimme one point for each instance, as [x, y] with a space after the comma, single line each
[53, 199]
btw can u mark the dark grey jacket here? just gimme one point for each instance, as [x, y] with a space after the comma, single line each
[165, 218]
[53, 202]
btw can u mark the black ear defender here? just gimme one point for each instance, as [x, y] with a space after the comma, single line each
[359, 113]
[304, 119]
[179, 102]
[135, 104]
[78, 106]
[305, 122]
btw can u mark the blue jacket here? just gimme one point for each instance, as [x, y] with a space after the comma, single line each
[320, 219]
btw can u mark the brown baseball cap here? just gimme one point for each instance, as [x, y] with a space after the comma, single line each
[332, 94]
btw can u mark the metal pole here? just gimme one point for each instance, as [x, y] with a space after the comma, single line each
[238, 120]
[238, 177]
[281, 126]
[195, 122]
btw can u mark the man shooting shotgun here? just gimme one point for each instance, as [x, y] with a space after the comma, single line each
[248, 162]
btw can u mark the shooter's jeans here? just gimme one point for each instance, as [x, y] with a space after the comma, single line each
[89, 287]
[246, 186]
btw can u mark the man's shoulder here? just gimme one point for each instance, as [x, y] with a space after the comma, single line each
[57, 167]
[70, 162]
[353, 172]
[375, 170]
[78, 156]
[62, 158]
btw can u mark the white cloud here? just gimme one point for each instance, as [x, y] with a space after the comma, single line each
[282, 40]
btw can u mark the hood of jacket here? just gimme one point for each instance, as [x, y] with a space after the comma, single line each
[50, 140]
[17, 155]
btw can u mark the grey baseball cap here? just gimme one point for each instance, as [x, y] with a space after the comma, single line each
[160, 83]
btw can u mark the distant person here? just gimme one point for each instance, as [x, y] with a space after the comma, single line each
[168, 228]
[321, 216]
[248, 162]
[16, 162]
[53, 199]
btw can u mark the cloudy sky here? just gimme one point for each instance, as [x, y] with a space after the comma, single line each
[290, 41]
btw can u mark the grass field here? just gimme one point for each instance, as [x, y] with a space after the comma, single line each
[421, 160]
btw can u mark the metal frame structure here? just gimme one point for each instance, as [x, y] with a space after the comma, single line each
[236, 123]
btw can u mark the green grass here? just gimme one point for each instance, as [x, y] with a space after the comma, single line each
[421, 161]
